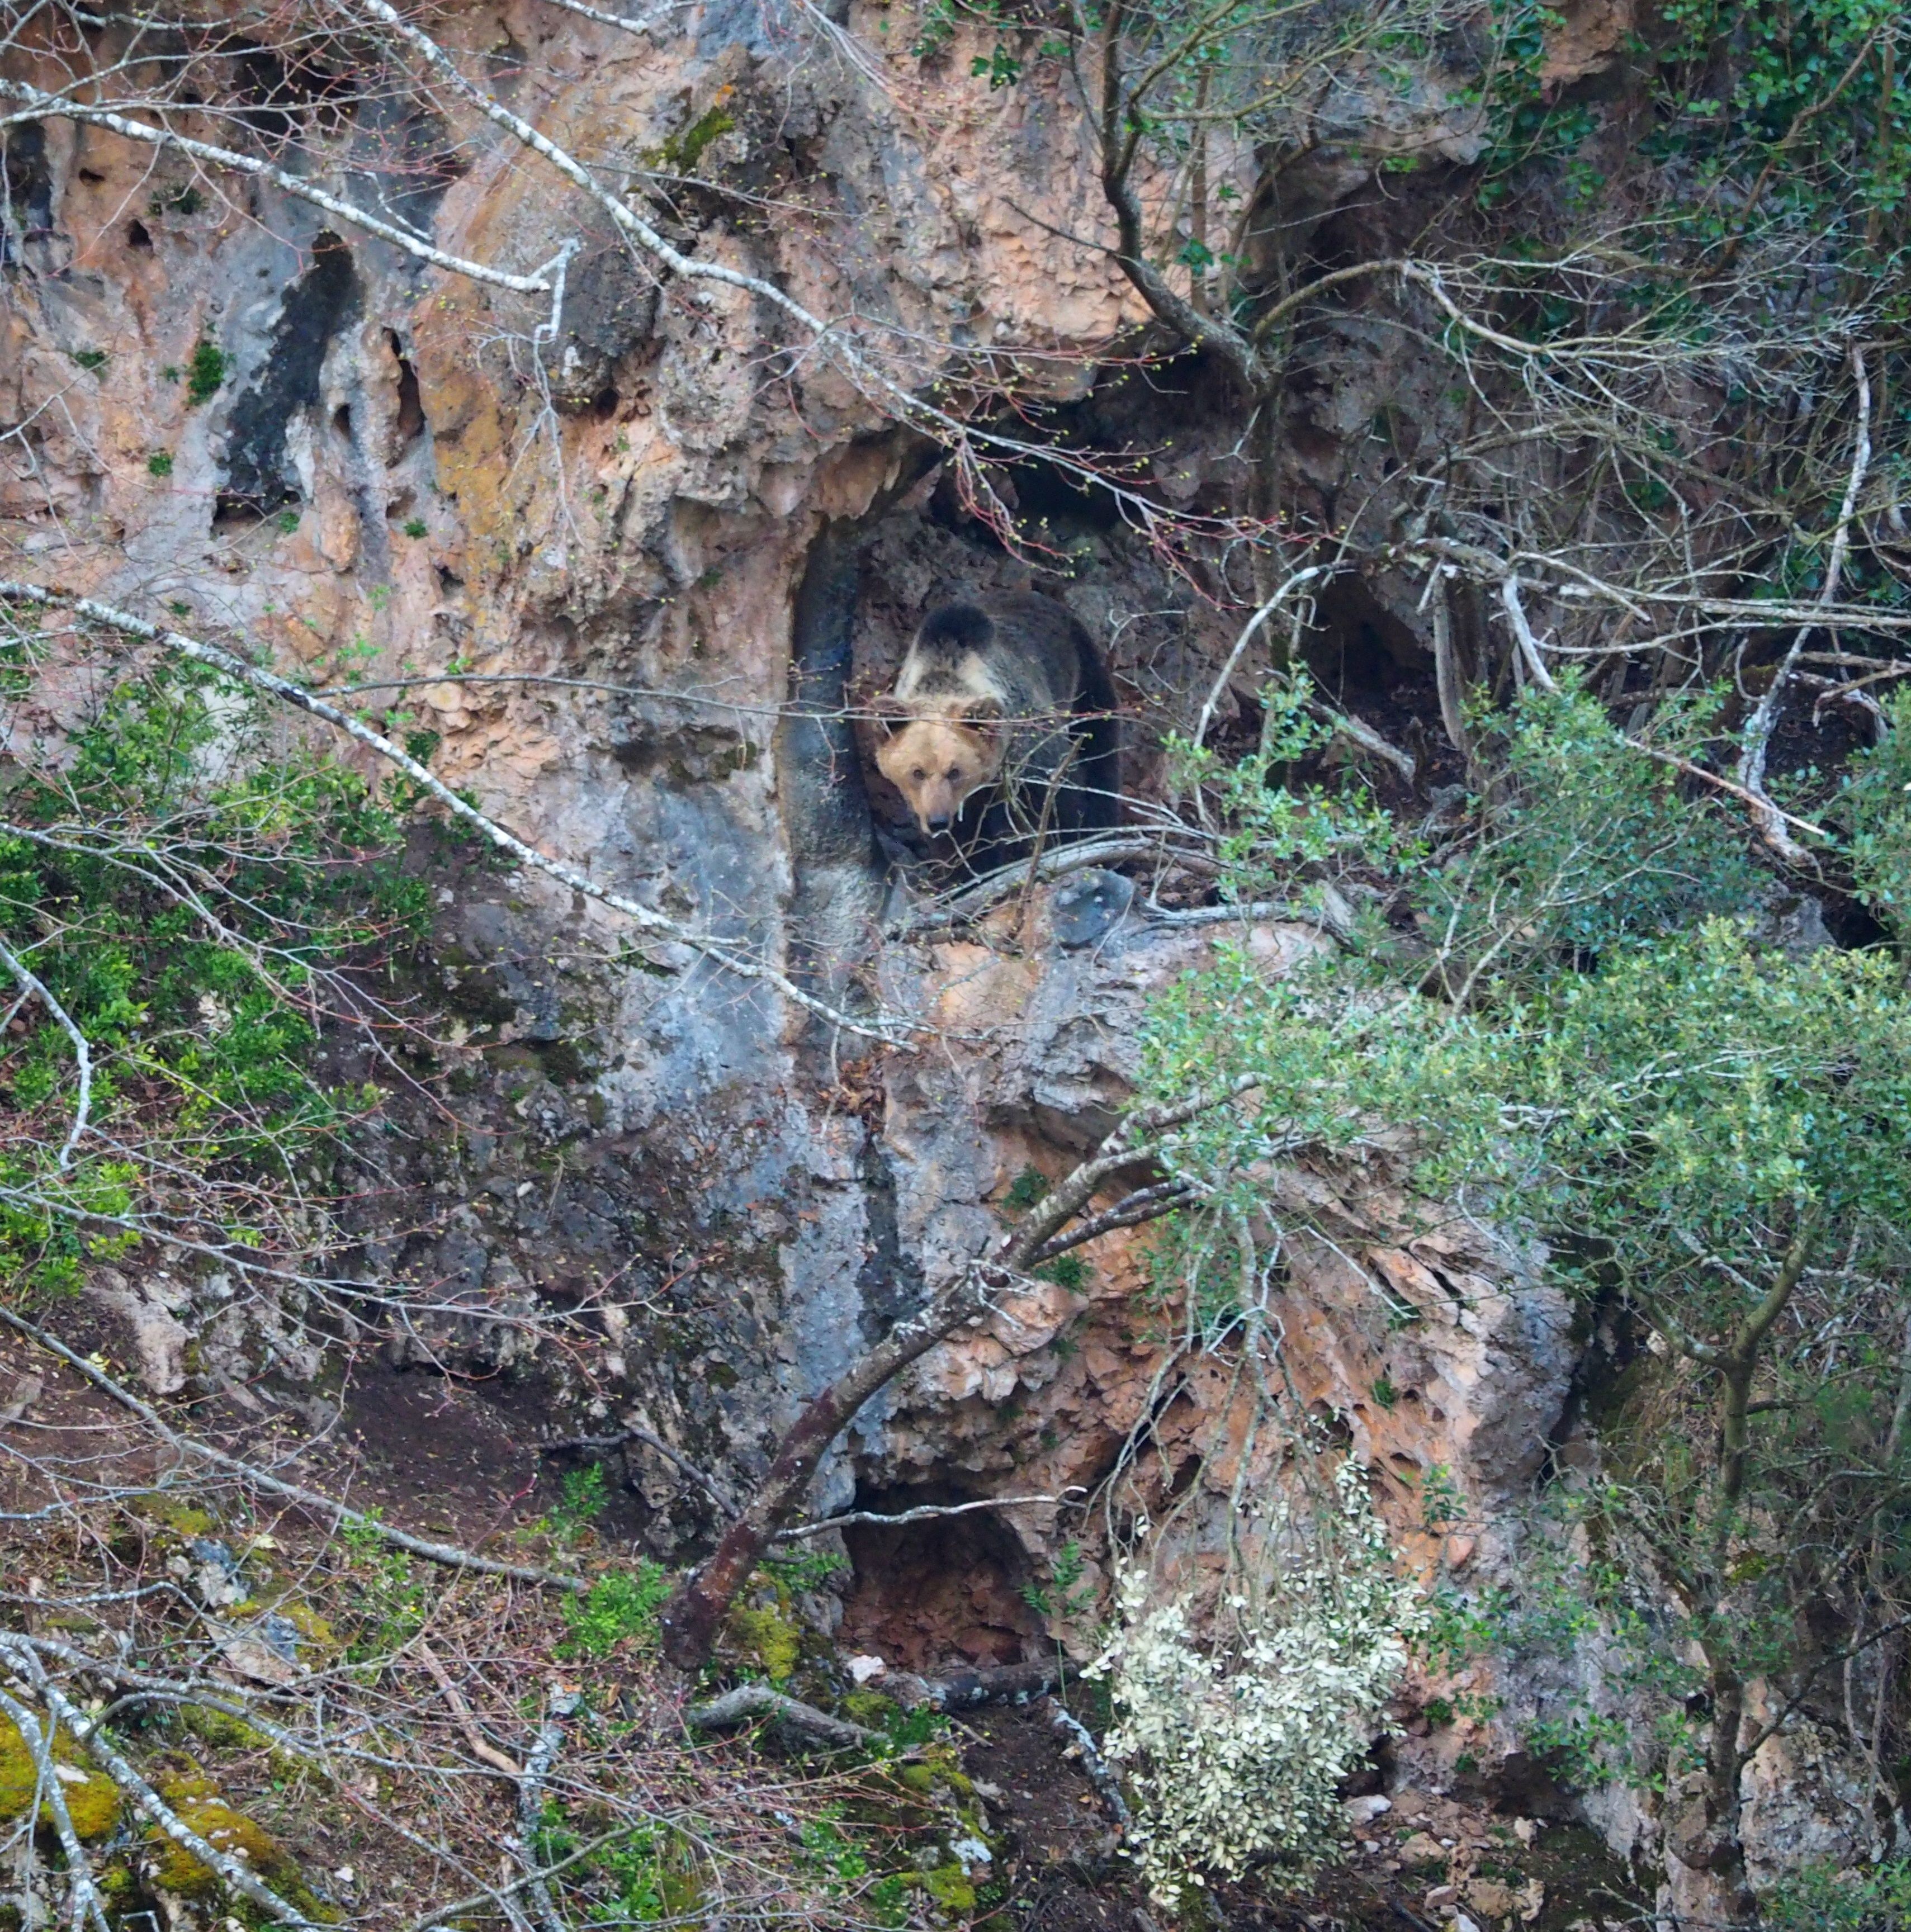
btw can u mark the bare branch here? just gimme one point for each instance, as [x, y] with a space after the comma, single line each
[60, 106]
[92, 1739]
[924, 1512]
[87, 1903]
[559, 1704]
[1759, 726]
[82, 1053]
[758, 1700]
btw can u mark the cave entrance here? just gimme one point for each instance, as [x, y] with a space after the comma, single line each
[943, 1591]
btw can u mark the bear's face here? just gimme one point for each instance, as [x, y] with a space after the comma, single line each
[936, 763]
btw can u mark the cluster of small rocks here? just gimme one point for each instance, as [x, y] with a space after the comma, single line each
[1461, 1866]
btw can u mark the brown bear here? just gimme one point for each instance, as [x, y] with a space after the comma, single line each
[1001, 727]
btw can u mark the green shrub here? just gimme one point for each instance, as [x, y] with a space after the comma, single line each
[1874, 808]
[1587, 1048]
[188, 889]
[1828, 1898]
[618, 1609]
[583, 1496]
[206, 372]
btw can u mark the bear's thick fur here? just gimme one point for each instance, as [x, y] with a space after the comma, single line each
[1002, 728]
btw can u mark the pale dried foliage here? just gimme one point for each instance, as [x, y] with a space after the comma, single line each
[1237, 1736]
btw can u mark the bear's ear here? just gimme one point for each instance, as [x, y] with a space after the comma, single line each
[980, 711]
[888, 712]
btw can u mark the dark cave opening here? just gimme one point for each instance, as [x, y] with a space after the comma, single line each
[943, 1591]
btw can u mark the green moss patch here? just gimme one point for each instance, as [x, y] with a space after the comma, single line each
[197, 1802]
[92, 1800]
[951, 1887]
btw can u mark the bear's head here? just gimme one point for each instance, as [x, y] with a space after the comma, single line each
[937, 761]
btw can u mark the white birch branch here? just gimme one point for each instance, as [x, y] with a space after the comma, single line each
[82, 1054]
[1758, 727]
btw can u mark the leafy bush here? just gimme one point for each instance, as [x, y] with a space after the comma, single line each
[1238, 1742]
[1824, 1898]
[619, 1608]
[584, 1495]
[1874, 808]
[189, 891]
[1589, 845]
[1587, 1045]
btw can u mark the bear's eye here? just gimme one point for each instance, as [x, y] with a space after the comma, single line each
[955, 771]
[918, 775]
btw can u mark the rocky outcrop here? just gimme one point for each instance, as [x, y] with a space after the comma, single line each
[624, 576]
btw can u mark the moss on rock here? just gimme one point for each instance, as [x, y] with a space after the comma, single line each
[871, 1709]
[768, 1634]
[197, 1802]
[951, 1887]
[183, 1519]
[92, 1799]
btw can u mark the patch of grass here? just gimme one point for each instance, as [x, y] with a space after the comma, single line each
[1069, 1271]
[159, 463]
[415, 527]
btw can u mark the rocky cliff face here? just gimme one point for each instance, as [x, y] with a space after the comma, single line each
[605, 566]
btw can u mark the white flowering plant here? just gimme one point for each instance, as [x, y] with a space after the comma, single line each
[1235, 1743]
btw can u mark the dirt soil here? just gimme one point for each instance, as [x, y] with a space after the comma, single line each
[1062, 1874]
[1428, 1858]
